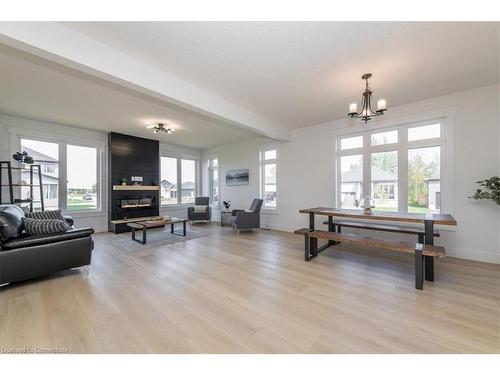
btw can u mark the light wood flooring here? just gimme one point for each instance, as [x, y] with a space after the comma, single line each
[253, 293]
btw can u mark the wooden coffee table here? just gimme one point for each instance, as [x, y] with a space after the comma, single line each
[145, 225]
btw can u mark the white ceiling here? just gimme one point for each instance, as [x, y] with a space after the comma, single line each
[36, 88]
[303, 73]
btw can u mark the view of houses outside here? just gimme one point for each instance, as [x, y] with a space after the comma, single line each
[81, 174]
[46, 154]
[168, 186]
[424, 184]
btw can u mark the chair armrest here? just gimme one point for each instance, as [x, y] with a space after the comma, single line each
[48, 238]
[234, 212]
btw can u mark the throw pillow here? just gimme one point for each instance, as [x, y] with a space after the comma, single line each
[39, 227]
[54, 214]
[200, 209]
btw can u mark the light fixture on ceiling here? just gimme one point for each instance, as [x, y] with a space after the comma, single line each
[160, 127]
[366, 113]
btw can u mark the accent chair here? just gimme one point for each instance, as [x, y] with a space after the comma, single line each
[247, 220]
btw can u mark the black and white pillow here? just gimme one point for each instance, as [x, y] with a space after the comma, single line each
[54, 215]
[39, 227]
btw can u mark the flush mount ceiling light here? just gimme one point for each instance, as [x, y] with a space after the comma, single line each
[160, 127]
[366, 113]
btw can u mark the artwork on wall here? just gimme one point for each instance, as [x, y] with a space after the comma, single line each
[237, 177]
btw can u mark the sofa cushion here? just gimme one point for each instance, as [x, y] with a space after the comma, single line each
[53, 214]
[39, 227]
[11, 222]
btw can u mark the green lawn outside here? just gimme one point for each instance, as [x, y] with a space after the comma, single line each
[411, 208]
[79, 204]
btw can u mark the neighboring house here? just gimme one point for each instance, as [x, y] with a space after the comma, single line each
[384, 186]
[434, 192]
[50, 178]
[168, 190]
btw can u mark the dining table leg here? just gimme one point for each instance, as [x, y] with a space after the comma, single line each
[313, 241]
[429, 240]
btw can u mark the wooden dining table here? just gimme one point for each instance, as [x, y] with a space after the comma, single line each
[428, 220]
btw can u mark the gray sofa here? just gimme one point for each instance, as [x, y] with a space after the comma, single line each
[247, 220]
[203, 216]
[24, 257]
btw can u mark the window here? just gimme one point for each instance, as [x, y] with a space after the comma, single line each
[46, 154]
[168, 185]
[213, 175]
[268, 165]
[424, 179]
[384, 176]
[173, 171]
[399, 168]
[188, 187]
[351, 187]
[81, 171]
[69, 175]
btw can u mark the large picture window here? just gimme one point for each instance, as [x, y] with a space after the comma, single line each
[399, 168]
[173, 171]
[81, 173]
[69, 175]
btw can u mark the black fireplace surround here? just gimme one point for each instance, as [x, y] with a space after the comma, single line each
[132, 156]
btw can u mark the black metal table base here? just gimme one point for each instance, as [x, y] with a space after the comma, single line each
[424, 264]
[144, 231]
[181, 233]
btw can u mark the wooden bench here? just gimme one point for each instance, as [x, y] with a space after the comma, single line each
[420, 232]
[418, 249]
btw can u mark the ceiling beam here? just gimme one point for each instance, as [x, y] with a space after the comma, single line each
[68, 47]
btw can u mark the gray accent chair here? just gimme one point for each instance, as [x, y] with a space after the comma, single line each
[205, 215]
[247, 220]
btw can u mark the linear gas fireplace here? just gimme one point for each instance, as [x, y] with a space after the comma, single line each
[137, 202]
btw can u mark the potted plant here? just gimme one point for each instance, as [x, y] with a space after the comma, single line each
[490, 189]
[123, 181]
[226, 205]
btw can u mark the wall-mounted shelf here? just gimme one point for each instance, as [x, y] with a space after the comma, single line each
[136, 187]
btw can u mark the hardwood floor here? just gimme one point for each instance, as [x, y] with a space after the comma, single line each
[253, 293]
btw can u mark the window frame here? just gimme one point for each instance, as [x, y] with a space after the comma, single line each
[179, 159]
[63, 165]
[401, 148]
[211, 185]
[262, 164]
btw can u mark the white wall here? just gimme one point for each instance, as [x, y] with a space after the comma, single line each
[11, 127]
[306, 168]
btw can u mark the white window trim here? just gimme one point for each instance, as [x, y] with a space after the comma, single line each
[210, 181]
[16, 134]
[262, 163]
[445, 142]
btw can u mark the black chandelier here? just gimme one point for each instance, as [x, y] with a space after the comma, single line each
[367, 112]
[161, 128]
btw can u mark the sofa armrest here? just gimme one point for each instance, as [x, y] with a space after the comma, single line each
[46, 239]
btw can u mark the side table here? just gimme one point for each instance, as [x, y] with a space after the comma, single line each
[225, 218]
